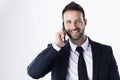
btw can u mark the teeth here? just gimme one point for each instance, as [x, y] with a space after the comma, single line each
[75, 31]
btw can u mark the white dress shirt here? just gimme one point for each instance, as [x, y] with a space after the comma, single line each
[72, 72]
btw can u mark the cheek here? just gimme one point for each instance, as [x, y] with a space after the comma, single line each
[82, 26]
[66, 27]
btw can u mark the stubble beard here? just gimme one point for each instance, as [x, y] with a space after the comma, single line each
[81, 35]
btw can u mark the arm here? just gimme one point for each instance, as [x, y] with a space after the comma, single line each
[113, 70]
[42, 64]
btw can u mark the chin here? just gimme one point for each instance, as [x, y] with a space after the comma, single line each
[74, 39]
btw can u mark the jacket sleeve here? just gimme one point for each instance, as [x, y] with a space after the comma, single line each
[113, 70]
[42, 64]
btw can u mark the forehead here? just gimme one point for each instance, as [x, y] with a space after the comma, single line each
[72, 14]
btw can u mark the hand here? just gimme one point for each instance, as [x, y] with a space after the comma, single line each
[59, 38]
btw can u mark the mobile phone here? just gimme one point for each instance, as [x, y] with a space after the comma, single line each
[65, 30]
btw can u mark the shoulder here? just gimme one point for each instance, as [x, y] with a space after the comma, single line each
[98, 44]
[104, 48]
[105, 51]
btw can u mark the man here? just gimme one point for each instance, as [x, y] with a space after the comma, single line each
[95, 61]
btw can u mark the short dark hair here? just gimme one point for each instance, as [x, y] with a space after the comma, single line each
[74, 6]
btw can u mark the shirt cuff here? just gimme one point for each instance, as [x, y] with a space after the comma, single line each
[56, 47]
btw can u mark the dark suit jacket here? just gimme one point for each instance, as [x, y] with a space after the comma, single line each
[104, 64]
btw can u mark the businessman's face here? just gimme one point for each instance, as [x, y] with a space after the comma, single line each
[74, 24]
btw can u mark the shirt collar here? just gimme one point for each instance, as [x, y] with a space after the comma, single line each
[85, 45]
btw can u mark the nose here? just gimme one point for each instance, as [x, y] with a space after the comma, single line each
[73, 25]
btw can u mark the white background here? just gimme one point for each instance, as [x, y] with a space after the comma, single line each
[27, 26]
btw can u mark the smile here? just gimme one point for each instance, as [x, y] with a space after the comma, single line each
[75, 31]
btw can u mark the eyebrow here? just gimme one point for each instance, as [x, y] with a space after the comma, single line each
[75, 20]
[79, 19]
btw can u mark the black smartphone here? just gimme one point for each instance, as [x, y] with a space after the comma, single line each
[65, 30]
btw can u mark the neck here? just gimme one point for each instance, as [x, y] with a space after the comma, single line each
[80, 41]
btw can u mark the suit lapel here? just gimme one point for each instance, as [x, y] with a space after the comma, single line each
[66, 52]
[96, 59]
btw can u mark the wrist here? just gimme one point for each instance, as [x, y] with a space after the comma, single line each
[56, 47]
[60, 45]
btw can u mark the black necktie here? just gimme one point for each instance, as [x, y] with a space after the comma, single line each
[82, 72]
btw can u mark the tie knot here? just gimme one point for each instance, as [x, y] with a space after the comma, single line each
[79, 49]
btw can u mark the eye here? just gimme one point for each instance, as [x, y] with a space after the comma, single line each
[78, 21]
